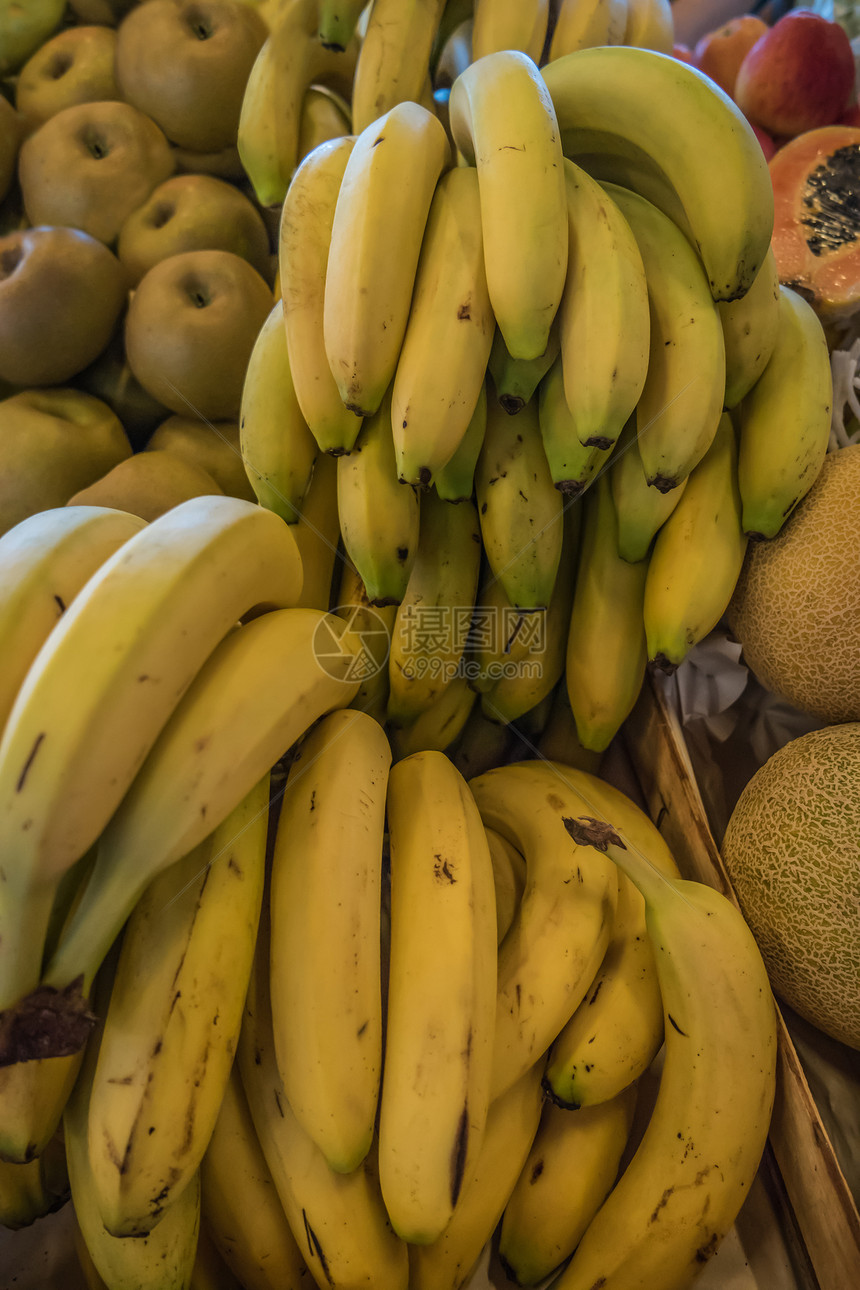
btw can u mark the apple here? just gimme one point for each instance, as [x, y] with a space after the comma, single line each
[186, 63]
[768, 143]
[193, 213]
[225, 163]
[105, 12]
[89, 166]
[720, 52]
[147, 484]
[214, 446]
[24, 26]
[52, 443]
[61, 295]
[75, 66]
[851, 115]
[190, 329]
[684, 53]
[798, 76]
[110, 379]
[11, 129]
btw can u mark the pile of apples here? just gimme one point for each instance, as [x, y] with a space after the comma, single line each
[136, 267]
[795, 76]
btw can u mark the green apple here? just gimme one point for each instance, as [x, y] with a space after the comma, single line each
[213, 445]
[61, 295]
[11, 131]
[186, 63]
[148, 484]
[111, 379]
[193, 213]
[53, 443]
[75, 66]
[24, 26]
[90, 165]
[190, 328]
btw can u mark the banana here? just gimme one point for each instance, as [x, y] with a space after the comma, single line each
[606, 648]
[452, 51]
[325, 116]
[455, 481]
[373, 627]
[172, 1023]
[394, 59]
[431, 627]
[750, 326]
[520, 511]
[441, 995]
[222, 738]
[45, 560]
[337, 21]
[573, 465]
[561, 930]
[481, 744]
[317, 534]
[515, 379]
[290, 60]
[210, 1272]
[649, 25]
[616, 1032]
[105, 683]
[378, 226]
[443, 361]
[239, 1205]
[682, 398]
[784, 420]
[278, 450]
[438, 726]
[32, 1190]
[532, 660]
[325, 949]
[604, 324]
[559, 742]
[692, 1170]
[511, 1126]
[639, 508]
[164, 1258]
[304, 237]
[580, 24]
[509, 879]
[571, 1168]
[510, 24]
[338, 1220]
[379, 516]
[502, 121]
[697, 556]
[628, 101]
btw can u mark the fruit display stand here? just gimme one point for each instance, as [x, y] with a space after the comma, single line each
[690, 770]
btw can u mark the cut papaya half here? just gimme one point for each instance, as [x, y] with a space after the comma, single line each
[816, 233]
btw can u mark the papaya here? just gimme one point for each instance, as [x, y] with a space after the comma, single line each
[816, 232]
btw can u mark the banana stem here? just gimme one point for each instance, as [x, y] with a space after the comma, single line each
[586, 831]
[24, 923]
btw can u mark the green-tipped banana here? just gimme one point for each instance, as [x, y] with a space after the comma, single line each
[455, 481]
[337, 21]
[573, 465]
[639, 508]
[517, 379]
[437, 727]
[750, 328]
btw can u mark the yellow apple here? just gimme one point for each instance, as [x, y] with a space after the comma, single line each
[24, 26]
[52, 443]
[190, 328]
[224, 163]
[186, 63]
[10, 141]
[61, 295]
[148, 484]
[89, 166]
[75, 66]
[193, 213]
[213, 445]
[111, 379]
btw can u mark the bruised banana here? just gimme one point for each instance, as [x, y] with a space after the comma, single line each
[394, 57]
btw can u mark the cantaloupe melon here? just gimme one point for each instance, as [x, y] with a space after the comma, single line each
[796, 606]
[792, 850]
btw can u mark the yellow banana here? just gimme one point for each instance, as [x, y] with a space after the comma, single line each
[373, 627]
[617, 99]
[580, 24]
[606, 650]
[394, 58]
[441, 995]
[442, 364]
[682, 398]
[785, 420]
[437, 727]
[693, 1168]
[432, 623]
[559, 741]
[502, 121]
[515, 379]
[325, 116]
[750, 327]
[317, 534]
[639, 508]
[520, 511]
[573, 465]
[304, 238]
[325, 950]
[337, 21]
[481, 744]
[379, 516]
[509, 878]
[277, 447]
[455, 481]
[378, 226]
[510, 24]
[649, 25]
[697, 556]
[32, 1190]
[570, 1169]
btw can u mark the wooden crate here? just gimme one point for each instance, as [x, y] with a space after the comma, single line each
[815, 1187]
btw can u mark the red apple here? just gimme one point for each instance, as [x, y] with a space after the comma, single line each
[720, 52]
[768, 143]
[851, 115]
[684, 53]
[798, 76]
